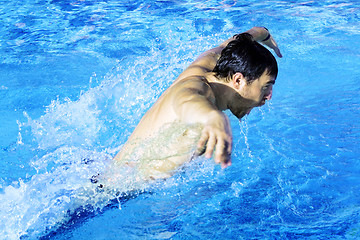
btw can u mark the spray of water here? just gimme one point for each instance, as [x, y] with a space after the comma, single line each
[77, 140]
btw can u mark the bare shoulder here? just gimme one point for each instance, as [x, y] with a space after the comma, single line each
[196, 83]
[204, 64]
[189, 90]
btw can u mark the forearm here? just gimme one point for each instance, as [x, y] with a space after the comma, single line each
[258, 33]
[195, 103]
[216, 136]
[262, 35]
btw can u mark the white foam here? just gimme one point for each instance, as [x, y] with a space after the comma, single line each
[76, 140]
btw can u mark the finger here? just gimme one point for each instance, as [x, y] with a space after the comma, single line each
[199, 151]
[229, 145]
[224, 156]
[227, 161]
[210, 146]
[226, 164]
[278, 53]
[220, 151]
[202, 142]
[275, 47]
[223, 152]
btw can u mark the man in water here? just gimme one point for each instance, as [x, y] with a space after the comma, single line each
[237, 75]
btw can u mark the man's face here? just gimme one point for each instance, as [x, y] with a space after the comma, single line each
[253, 95]
[259, 90]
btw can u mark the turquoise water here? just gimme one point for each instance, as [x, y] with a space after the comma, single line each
[76, 77]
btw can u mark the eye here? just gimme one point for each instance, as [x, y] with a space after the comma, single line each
[264, 88]
[268, 85]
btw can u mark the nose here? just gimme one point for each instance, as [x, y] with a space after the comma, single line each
[268, 94]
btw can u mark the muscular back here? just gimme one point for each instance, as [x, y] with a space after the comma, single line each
[159, 122]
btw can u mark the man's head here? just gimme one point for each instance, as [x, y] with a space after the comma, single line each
[250, 69]
[246, 56]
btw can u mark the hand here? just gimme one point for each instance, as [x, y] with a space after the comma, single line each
[216, 135]
[271, 43]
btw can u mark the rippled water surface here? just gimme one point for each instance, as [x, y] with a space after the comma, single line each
[76, 77]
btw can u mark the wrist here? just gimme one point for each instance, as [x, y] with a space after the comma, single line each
[268, 35]
[259, 34]
[216, 117]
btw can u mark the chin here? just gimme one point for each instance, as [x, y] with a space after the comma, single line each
[262, 103]
[241, 114]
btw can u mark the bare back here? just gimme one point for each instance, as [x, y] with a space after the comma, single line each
[162, 115]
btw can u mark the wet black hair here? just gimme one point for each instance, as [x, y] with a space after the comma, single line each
[247, 56]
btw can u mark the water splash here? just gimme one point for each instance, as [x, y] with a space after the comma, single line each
[75, 140]
[61, 186]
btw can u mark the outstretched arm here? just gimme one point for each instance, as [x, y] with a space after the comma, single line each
[208, 59]
[193, 102]
[262, 35]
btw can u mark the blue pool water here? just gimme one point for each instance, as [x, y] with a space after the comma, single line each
[76, 77]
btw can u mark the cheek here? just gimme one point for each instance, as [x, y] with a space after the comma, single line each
[253, 94]
[259, 95]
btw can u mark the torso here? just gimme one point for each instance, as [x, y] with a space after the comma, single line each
[162, 115]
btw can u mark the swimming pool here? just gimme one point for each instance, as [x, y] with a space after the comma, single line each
[76, 77]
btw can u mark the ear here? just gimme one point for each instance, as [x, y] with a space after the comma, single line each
[238, 80]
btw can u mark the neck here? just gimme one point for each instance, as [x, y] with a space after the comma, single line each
[221, 90]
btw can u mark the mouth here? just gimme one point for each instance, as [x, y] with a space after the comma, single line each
[262, 103]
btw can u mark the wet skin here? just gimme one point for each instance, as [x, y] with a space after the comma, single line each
[197, 96]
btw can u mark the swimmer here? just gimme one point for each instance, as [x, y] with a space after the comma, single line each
[237, 75]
